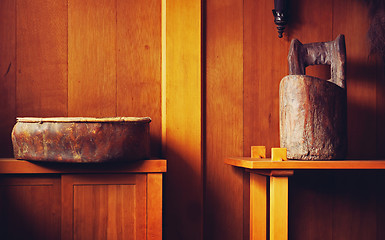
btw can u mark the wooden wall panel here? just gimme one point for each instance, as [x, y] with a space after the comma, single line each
[41, 58]
[224, 120]
[361, 77]
[30, 208]
[139, 63]
[7, 74]
[183, 181]
[265, 63]
[92, 58]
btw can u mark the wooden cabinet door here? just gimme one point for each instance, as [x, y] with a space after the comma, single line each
[30, 207]
[103, 206]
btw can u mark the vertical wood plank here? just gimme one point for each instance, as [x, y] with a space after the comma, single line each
[307, 26]
[41, 58]
[7, 74]
[154, 206]
[67, 200]
[30, 207]
[92, 58]
[258, 207]
[139, 63]
[183, 182]
[224, 196]
[265, 63]
[279, 196]
[361, 77]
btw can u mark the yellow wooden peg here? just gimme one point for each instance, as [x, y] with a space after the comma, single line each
[278, 154]
[258, 152]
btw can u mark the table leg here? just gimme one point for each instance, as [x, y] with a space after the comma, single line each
[258, 206]
[278, 208]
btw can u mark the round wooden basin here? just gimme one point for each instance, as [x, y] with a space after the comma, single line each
[82, 140]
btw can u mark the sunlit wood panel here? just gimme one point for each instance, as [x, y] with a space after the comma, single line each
[139, 63]
[183, 120]
[41, 53]
[92, 58]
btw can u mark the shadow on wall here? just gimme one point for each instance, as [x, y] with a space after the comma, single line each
[182, 212]
[376, 32]
[331, 205]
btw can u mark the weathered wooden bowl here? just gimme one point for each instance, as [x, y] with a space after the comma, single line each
[82, 140]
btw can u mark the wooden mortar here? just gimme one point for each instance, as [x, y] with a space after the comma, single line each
[313, 110]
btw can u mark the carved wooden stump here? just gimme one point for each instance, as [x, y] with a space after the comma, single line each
[313, 110]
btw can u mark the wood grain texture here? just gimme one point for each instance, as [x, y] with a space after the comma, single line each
[104, 206]
[224, 195]
[41, 54]
[258, 207]
[183, 182]
[7, 74]
[12, 166]
[361, 77]
[30, 207]
[92, 87]
[265, 63]
[253, 163]
[139, 63]
[279, 202]
[154, 206]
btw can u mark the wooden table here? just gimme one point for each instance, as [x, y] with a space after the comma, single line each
[278, 173]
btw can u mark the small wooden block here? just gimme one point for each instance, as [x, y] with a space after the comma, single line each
[258, 152]
[278, 154]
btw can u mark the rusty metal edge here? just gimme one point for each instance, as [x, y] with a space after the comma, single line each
[84, 119]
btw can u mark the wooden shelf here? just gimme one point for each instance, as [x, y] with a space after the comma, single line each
[267, 164]
[13, 166]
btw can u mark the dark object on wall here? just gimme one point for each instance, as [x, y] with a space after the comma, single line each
[280, 15]
[313, 110]
[81, 140]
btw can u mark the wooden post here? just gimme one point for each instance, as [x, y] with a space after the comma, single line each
[258, 199]
[154, 206]
[278, 208]
[258, 206]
